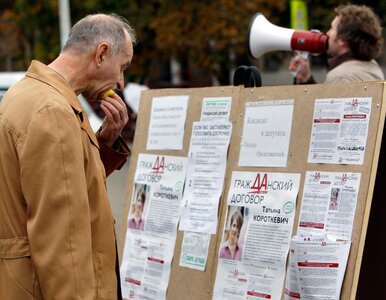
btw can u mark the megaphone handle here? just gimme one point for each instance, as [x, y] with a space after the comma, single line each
[304, 55]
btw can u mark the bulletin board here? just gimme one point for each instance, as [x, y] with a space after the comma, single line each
[185, 283]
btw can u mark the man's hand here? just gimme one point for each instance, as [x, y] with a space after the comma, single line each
[116, 117]
[300, 68]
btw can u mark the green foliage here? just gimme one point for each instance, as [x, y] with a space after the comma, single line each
[39, 29]
[210, 35]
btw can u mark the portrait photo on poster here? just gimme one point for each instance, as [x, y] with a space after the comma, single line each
[232, 245]
[136, 218]
[334, 199]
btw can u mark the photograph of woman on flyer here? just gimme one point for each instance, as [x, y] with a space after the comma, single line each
[136, 220]
[231, 249]
[334, 199]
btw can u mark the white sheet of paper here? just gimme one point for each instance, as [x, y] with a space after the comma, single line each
[339, 131]
[267, 204]
[205, 176]
[320, 268]
[150, 237]
[266, 133]
[292, 289]
[194, 250]
[146, 266]
[167, 123]
[329, 203]
[216, 108]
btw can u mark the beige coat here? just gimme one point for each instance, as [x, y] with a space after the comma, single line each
[57, 238]
[354, 71]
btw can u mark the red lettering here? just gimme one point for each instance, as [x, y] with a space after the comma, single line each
[159, 165]
[258, 184]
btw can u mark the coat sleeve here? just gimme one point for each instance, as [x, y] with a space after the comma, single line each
[55, 190]
[113, 158]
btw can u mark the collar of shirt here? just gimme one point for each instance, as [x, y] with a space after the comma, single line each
[337, 60]
[44, 73]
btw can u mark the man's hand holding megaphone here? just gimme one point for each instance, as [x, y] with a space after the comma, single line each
[300, 68]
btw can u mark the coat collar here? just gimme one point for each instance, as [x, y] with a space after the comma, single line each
[47, 75]
[340, 59]
[41, 72]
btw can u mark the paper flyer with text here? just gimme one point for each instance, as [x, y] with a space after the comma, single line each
[152, 226]
[266, 133]
[316, 268]
[257, 234]
[329, 203]
[167, 123]
[339, 131]
[205, 176]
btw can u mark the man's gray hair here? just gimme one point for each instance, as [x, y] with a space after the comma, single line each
[94, 29]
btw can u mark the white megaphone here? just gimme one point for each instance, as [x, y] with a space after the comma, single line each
[265, 37]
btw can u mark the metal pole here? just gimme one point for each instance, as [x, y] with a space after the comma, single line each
[64, 21]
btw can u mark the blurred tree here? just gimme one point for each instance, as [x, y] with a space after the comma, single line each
[207, 37]
[33, 32]
[9, 51]
[139, 13]
[204, 35]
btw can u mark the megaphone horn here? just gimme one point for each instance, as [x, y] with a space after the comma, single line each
[264, 37]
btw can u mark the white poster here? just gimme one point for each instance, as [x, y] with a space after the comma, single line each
[329, 203]
[266, 133]
[194, 250]
[152, 226]
[320, 268]
[146, 265]
[205, 176]
[216, 109]
[195, 245]
[339, 131]
[167, 123]
[292, 289]
[257, 234]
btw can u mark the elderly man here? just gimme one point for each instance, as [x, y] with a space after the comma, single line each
[355, 40]
[57, 237]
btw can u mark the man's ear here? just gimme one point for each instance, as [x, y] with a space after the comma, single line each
[101, 53]
[343, 44]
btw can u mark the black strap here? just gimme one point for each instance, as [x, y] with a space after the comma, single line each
[248, 76]
[238, 77]
[119, 289]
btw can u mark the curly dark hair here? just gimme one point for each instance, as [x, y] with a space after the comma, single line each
[361, 28]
